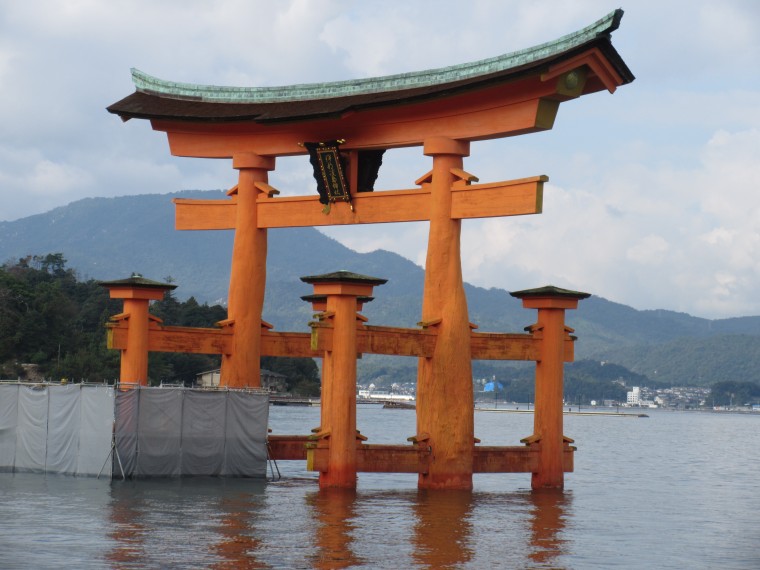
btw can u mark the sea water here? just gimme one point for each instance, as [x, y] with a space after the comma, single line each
[673, 490]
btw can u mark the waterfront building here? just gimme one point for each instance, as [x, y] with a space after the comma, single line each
[634, 397]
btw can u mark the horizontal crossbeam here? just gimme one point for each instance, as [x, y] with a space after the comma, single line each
[514, 459]
[175, 339]
[416, 459]
[287, 447]
[369, 340]
[293, 344]
[510, 346]
[375, 458]
[395, 341]
[510, 198]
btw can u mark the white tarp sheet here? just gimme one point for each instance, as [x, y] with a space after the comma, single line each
[95, 430]
[8, 425]
[56, 429]
[31, 433]
[63, 429]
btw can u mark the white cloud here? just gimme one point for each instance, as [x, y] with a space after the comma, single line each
[379, 38]
[49, 178]
[685, 239]
[649, 250]
[44, 182]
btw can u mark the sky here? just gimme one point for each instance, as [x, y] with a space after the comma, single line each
[653, 197]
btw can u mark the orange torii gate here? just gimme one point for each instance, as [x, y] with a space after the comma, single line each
[348, 123]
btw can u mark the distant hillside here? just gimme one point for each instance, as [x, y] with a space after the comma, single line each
[109, 238]
[693, 361]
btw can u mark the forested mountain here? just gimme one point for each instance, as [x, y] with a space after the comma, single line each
[109, 238]
[52, 326]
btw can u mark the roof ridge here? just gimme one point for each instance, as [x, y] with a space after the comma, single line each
[311, 91]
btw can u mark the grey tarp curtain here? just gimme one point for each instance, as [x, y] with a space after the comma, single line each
[56, 429]
[158, 432]
[175, 432]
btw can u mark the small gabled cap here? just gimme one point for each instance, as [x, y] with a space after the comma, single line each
[344, 276]
[550, 291]
[137, 287]
[550, 297]
[138, 281]
[323, 298]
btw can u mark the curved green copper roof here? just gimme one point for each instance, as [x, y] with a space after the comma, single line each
[315, 91]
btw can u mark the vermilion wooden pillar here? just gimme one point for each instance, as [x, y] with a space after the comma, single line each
[551, 302]
[338, 426]
[137, 293]
[319, 305]
[241, 368]
[444, 381]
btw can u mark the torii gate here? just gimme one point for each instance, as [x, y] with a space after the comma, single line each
[441, 110]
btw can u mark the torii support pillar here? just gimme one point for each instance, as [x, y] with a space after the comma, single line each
[241, 368]
[338, 402]
[137, 293]
[445, 410]
[551, 302]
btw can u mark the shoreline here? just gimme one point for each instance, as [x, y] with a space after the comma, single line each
[565, 412]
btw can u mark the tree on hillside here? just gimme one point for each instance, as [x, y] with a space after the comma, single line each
[49, 319]
[183, 368]
[734, 393]
[302, 373]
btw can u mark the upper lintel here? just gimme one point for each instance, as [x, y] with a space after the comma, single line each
[160, 99]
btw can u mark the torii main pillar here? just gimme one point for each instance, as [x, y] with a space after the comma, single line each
[444, 381]
[248, 275]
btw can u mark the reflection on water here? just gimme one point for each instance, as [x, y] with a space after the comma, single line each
[187, 521]
[442, 529]
[334, 512]
[237, 544]
[127, 529]
[547, 521]
[243, 523]
[437, 529]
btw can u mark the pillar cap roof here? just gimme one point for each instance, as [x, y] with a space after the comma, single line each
[139, 282]
[345, 277]
[550, 291]
[318, 298]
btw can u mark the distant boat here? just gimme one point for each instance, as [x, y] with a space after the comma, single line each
[400, 405]
[288, 400]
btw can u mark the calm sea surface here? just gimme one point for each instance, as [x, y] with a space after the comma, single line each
[674, 490]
